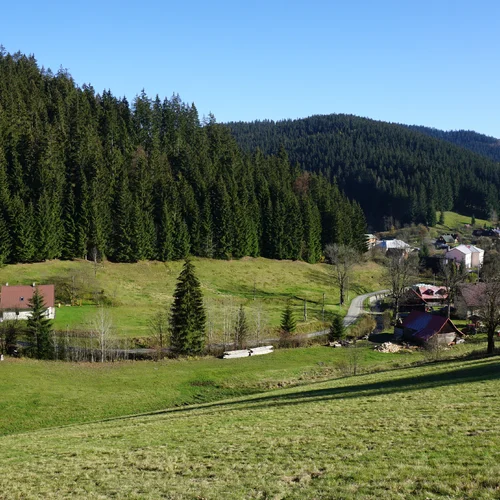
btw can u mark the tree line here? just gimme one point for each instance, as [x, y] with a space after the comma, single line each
[398, 175]
[88, 175]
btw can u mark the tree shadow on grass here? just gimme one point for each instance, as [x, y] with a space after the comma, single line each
[482, 370]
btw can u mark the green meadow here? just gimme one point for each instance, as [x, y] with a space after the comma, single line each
[423, 432]
[136, 292]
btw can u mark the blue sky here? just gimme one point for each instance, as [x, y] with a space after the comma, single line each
[433, 63]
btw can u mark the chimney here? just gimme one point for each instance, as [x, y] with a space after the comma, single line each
[6, 284]
[33, 285]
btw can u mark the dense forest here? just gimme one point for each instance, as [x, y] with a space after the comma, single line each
[478, 143]
[397, 175]
[84, 174]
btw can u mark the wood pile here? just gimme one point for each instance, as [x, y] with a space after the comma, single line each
[244, 353]
[388, 347]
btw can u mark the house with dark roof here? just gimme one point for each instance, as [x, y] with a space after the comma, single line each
[420, 327]
[469, 299]
[15, 301]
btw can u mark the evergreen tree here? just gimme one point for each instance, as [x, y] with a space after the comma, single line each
[288, 323]
[38, 328]
[187, 315]
[337, 330]
[473, 220]
[441, 218]
[5, 242]
[240, 329]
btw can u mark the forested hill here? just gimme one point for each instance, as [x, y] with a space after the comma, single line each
[396, 174]
[88, 174]
[478, 143]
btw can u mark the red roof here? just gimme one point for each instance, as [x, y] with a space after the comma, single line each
[426, 325]
[18, 297]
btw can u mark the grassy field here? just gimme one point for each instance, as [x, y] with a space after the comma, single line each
[140, 290]
[423, 432]
[37, 394]
[456, 222]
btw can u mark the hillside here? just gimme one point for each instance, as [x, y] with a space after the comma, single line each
[423, 432]
[397, 175]
[84, 174]
[478, 143]
[137, 292]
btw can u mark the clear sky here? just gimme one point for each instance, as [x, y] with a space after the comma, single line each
[433, 63]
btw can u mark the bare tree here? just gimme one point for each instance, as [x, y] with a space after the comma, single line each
[453, 276]
[101, 327]
[342, 258]
[158, 327]
[490, 309]
[399, 274]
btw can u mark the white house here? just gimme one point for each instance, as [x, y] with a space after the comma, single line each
[393, 245]
[470, 255]
[15, 301]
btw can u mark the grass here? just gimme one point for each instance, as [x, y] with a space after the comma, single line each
[456, 222]
[37, 394]
[422, 432]
[140, 290]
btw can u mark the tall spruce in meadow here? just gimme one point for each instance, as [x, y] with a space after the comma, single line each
[288, 322]
[38, 328]
[187, 315]
[337, 330]
[240, 329]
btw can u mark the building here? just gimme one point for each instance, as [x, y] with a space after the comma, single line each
[470, 255]
[371, 241]
[15, 301]
[470, 299]
[421, 327]
[394, 245]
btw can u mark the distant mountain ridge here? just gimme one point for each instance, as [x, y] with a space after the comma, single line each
[397, 173]
[484, 145]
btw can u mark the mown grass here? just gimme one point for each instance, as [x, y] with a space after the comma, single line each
[422, 432]
[140, 290]
[37, 394]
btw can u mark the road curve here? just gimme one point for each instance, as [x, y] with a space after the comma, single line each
[354, 312]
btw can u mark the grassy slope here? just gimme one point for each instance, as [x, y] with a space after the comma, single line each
[423, 432]
[455, 222]
[141, 289]
[37, 394]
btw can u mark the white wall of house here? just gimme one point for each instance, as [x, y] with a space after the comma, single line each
[458, 256]
[50, 313]
[477, 258]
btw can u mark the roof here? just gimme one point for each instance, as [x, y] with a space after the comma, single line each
[430, 292]
[426, 325]
[467, 249]
[472, 293]
[448, 238]
[18, 297]
[387, 244]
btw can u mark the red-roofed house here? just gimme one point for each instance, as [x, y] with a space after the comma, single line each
[15, 301]
[420, 327]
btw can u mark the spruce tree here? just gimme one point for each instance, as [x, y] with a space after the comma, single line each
[337, 330]
[288, 323]
[240, 329]
[38, 328]
[187, 315]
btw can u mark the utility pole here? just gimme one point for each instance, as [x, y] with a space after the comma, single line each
[323, 308]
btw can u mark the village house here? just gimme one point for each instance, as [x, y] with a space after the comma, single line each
[470, 255]
[446, 241]
[469, 299]
[394, 246]
[422, 297]
[371, 241]
[420, 327]
[15, 301]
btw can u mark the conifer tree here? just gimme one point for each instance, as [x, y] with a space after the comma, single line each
[38, 328]
[337, 330]
[187, 315]
[288, 323]
[240, 329]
